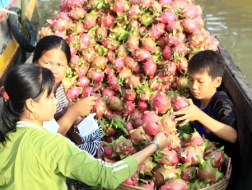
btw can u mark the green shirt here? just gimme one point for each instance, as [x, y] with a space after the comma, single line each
[33, 158]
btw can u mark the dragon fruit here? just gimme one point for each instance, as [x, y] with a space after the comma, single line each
[137, 136]
[175, 184]
[123, 147]
[151, 123]
[146, 167]
[216, 157]
[191, 153]
[132, 180]
[207, 173]
[179, 103]
[188, 174]
[167, 157]
[161, 103]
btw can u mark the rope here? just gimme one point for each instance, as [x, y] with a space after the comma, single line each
[7, 11]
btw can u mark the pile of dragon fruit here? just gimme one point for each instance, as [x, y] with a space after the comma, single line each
[133, 55]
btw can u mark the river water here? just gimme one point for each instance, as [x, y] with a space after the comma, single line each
[229, 20]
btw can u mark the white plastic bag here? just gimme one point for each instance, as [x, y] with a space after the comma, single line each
[88, 125]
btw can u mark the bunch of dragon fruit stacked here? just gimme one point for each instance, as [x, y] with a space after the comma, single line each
[133, 55]
[188, 162]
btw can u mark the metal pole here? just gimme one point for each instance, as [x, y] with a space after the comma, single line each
[23, 16]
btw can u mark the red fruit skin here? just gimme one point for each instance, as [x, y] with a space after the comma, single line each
[73, 92]
[182, 83]
[110, 131]
[167, 157]
[123, 147]
[132, 180]
[83, 81]
[150, 67]
[195, 139]
[107, 92]
[175, 184]
[100, 108]
[136, 118]
[142, 55]
[173, 142]
[108, 151]
[143, 105]
[129, 126]
[108, 139]
[167, 53]
[190, 153]
[137, 136]
[129, 94]
[188, 174]
[149, 44]
[169, 123]
[128, 108]
[85, 91]
[157, 30]
[146, 167]
[161, 103]
[151, 123]
[179, 103]
[115, 103]
[217, 158]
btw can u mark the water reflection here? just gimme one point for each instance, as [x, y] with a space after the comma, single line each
[230, 21]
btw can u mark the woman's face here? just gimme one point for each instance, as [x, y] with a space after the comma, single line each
[56, 61]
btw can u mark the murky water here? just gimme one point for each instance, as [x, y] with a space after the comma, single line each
[229, 20]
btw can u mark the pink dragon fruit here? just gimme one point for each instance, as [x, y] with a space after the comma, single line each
[175, 184]
[216, 157]
[167, 157]
[190, 153]
[161, 103]
[137, 136]
[179, 103]
[188, 174]
[132, 180]
[123, 147]
[207, 173]
[151, 123]
[146, 167]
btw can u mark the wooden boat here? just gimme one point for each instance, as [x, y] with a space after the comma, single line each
[9, 23]
[240, 92]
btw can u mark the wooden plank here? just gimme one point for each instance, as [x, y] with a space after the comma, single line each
[240, 92]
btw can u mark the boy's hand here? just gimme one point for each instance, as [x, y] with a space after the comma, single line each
[189, 113]
[84, 106]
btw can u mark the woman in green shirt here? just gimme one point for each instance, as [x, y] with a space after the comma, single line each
[32, 157]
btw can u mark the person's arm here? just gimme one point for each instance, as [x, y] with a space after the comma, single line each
[192, 113]
[58, 155]
[220, 129]
[81, 108]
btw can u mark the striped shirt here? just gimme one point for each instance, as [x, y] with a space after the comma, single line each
[89, 143]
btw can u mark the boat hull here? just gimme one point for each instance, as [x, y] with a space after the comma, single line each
[9, 47]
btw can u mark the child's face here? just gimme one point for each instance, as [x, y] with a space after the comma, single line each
[46, 107]
[202, 86]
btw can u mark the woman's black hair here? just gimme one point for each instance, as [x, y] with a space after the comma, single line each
[208, 61]
[21, 83]
[48, 43]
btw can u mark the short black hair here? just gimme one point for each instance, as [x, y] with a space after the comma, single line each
[21, 83]
[208, 61]
[48, 43]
